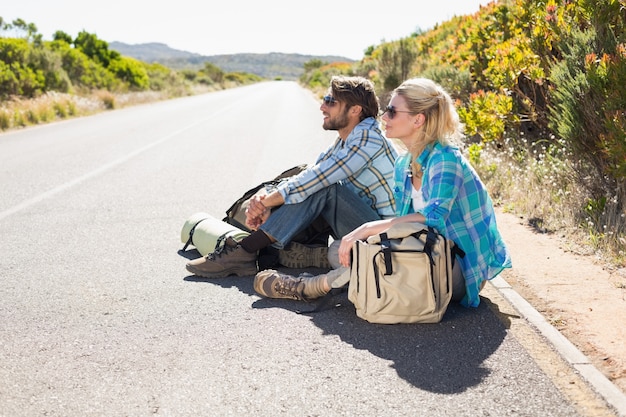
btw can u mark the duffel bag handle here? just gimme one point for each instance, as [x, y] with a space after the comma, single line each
[398, 231]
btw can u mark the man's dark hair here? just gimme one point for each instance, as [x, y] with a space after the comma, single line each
[356, 91]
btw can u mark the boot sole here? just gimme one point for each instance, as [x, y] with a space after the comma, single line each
[225, 273]
[301, 256]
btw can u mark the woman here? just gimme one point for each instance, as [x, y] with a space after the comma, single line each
[434, 185]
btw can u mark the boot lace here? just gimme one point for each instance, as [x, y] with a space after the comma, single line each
[290, 287]
[222, 250]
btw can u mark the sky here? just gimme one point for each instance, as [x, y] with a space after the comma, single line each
[343, 28]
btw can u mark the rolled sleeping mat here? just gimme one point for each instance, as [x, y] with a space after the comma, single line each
[206, 233]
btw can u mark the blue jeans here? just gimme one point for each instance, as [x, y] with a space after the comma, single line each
[341, 207]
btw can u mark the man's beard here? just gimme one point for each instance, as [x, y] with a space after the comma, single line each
[338, 122]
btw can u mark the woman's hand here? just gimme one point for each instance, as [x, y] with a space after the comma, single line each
[345, 249]
[360, 233]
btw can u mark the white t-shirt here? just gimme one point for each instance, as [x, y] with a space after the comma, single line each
[418, 200]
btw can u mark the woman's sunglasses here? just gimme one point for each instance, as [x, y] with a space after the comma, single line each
[329, 100]
[391, 111]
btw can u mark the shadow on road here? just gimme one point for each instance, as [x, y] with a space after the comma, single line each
[445, 357]
[189, 254]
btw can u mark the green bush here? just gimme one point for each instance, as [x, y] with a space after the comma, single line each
[604, 73]
[130, 71]
[486, 115]
[50, 64]
[13, 50]
[163, 78]
[456, 81]
[9, 83]
[17, 76]
[5, 119]
[211, 72]
[241, 78]
[587, 108]
[83, 72]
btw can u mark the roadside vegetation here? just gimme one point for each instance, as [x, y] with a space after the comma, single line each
[42, 81]
[540, 87]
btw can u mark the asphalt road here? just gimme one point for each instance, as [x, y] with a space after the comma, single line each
[98, 316]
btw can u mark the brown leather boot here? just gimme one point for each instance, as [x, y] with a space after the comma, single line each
[230, 259]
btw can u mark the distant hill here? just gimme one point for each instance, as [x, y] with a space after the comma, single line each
[272, 65]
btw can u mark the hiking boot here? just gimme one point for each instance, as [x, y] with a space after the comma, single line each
[273, 284]
[230, 259]
[299, 255]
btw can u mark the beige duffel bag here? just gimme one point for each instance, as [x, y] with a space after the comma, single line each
[403, 275]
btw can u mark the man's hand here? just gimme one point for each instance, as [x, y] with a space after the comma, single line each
[256, 213]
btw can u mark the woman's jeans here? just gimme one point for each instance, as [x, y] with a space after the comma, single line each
[341, 207]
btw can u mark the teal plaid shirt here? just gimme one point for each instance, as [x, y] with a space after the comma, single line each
[364, 163]
[459, 207]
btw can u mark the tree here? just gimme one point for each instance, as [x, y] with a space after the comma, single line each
[96, 49]
[28, 28]
[22, 30]
[59, 35]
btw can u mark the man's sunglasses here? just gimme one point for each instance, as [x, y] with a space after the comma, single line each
[329, 100]
[391, 111]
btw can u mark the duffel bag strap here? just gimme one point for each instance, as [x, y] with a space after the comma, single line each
[431, 240]
[324, 300]
[385, 246]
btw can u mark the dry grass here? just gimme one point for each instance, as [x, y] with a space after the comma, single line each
[541, 184]
[17, 112]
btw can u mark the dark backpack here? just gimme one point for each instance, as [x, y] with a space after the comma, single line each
[236, 214]
[316, 233]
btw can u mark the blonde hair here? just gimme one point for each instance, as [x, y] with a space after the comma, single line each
[424, 96]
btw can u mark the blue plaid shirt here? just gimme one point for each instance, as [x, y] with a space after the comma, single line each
[459, 207]
[364, 162]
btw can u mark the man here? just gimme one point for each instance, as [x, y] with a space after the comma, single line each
[350, 184]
